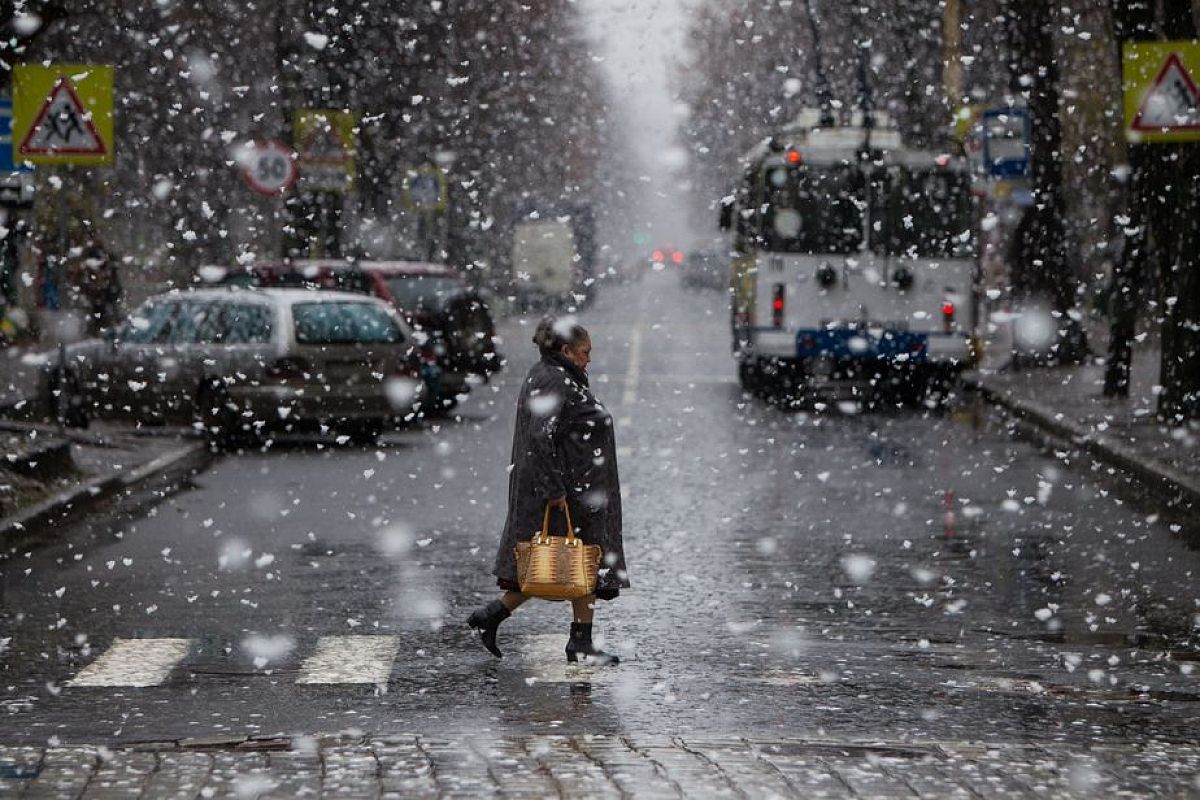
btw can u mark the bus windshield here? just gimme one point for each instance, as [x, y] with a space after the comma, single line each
[914, 212]
[922, 213]
[812, 209]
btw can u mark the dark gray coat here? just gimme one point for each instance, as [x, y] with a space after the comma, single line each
[563, 446]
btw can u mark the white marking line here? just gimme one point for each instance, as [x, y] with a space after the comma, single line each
[631, 372]
[546, 657]
[350, 659]
[681, 380]
[134, 662]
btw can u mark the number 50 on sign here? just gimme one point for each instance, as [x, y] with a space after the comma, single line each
[269, 167]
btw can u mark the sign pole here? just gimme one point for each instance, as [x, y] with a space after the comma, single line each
[64, 244]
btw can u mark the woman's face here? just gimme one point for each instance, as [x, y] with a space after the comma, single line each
[581, 354]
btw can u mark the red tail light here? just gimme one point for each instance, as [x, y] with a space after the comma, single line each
[948, 316]
[677, 257]
[778, 300]
[285, 369]
[658, 256]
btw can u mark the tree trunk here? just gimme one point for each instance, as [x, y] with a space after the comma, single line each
[1132, 21]
[1180, 375]
[1045, 273]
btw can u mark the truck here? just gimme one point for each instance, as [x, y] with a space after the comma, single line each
[552, 257]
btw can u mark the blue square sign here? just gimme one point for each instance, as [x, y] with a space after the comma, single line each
[6, 142]
[1006, 142]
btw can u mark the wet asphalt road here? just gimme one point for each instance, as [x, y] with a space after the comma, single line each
[795, 573]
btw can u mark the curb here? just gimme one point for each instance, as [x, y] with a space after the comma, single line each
[45, 459]
[68, 504]
[1180, 489]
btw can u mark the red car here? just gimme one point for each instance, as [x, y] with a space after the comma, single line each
[434, 299]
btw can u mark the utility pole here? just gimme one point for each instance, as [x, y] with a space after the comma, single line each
[824, 95]
[952, 74]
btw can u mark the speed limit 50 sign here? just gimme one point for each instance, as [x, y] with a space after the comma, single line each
[269, 167]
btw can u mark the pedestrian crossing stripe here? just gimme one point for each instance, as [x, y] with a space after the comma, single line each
[134, 662]
[546, 655]
[350, 659]
[335, 660]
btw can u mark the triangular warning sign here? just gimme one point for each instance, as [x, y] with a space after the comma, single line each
[1172, 102]
[63, 126]
[324, 146]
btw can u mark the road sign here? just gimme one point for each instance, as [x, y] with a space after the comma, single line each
[63, 114]
[1006, 142]
[1162, 102]
[425, 189]
[325, 148]
[6, 142]
[269, 167]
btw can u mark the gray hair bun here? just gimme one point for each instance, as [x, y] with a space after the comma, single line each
[553, 333]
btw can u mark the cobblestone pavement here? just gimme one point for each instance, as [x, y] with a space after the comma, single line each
[593, 766]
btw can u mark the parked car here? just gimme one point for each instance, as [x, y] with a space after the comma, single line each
[453, 320]
[242, 362]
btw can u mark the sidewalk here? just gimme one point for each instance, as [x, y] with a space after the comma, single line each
[544, 766]
[1068, 403]
[49, 474]
[90, 468]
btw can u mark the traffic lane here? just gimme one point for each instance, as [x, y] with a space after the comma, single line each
[934, 532]
[872, 482]
[265, 554]
[234, 542]
[713, 634]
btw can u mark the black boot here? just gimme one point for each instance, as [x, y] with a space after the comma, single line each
[580, 644]
[486, 620]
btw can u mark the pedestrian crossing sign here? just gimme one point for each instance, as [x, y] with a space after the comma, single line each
[1162, 101]
[63, 114]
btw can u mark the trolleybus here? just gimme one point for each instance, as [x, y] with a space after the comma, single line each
[854, 264]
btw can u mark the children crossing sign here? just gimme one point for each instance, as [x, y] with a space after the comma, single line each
[1162, 101]
[63, 114]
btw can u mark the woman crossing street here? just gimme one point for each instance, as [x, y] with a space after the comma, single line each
[564, 456]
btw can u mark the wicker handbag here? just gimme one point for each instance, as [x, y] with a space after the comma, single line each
[557, 567]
